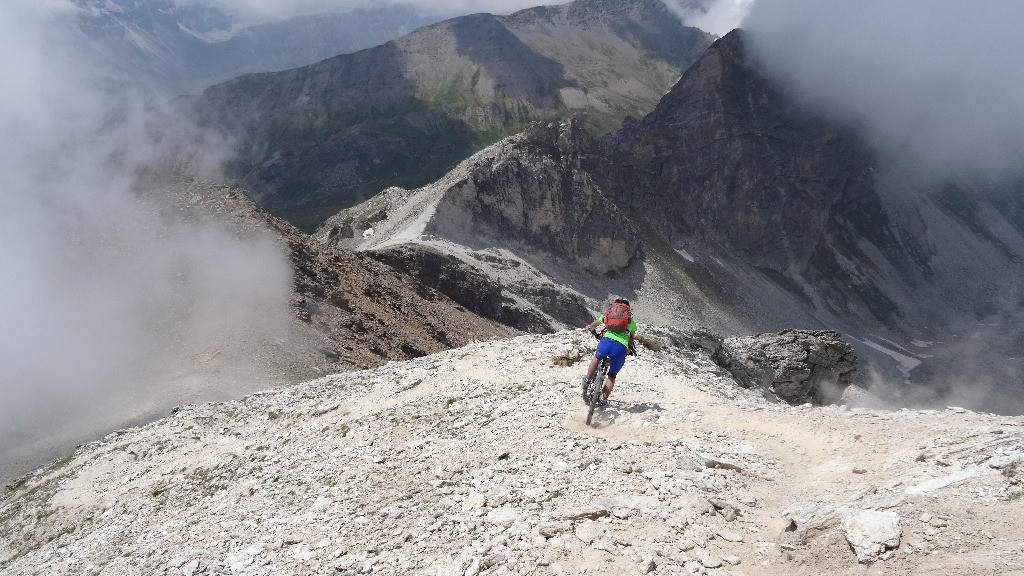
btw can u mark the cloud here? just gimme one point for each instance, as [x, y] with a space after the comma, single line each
[935, 83]
[107, 292]
[718, 17]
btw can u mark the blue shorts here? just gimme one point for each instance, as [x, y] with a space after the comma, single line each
[615, 352]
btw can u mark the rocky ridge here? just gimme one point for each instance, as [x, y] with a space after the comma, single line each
[519, 217]
[476, 461]
[352, 311]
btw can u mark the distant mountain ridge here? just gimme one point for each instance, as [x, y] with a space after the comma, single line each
[326, 136]
[185, 47]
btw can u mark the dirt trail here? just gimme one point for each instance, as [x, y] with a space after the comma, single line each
[833, 454]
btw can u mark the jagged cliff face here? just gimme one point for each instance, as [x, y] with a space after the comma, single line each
[727, 206]
[518, 222]
[329, 135]
[724, 160]
[726, 163]
[729, 167]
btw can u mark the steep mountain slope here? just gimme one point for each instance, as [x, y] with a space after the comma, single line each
[360, 312]
[347, 311]
[476, 460]
[329, 135]
[726, 161]
[729, 206]
[729, 166]
[185, 47]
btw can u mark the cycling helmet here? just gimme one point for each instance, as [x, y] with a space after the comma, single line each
[622, 301]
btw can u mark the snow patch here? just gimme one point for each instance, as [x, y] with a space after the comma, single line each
[685, 254]
[906, 363]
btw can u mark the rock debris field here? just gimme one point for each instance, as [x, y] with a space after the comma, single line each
[477, 461]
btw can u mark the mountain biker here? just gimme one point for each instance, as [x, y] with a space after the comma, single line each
[616, 343]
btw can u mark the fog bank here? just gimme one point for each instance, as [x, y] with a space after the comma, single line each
[718, 17]
[934, 83]
[108, 293]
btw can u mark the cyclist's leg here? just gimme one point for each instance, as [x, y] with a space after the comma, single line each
[617, 358]
[592, 368]
[604, 349]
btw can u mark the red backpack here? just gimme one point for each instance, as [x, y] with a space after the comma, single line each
[617, 317]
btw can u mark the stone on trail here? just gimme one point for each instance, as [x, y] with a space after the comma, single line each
[708, 560]
[729, 536]
[582, 513]
[473, 501]
[728, 510]
[552, 529]
[505, 516]
[693, 567]
[1000, 462]
[871, 533]
[588, 531]
[703, 460]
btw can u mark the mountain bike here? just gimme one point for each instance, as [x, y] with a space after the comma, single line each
[595, 388]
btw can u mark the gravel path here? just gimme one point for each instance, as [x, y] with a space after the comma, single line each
[477, 461]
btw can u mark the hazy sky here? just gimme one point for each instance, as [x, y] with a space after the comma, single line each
[278, 8]
[99, 285]
[936, 83]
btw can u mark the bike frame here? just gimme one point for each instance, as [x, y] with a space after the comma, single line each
[596, 388]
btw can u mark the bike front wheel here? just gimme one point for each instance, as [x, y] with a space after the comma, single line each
[596, 390]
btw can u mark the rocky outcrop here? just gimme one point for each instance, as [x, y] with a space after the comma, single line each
[527, 193]
[464, 284]
[532, 194]
[797, 366]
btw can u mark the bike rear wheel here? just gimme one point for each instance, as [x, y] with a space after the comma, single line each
[597, 388]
